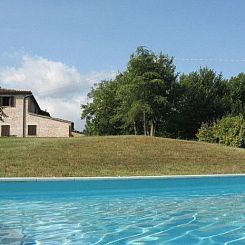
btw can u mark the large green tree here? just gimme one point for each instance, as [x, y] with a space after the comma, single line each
[237, 94]
[100, 113]
[148, 98]
[146, 90]
[137, 101]
[205, 98]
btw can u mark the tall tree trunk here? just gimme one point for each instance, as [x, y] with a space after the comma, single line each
[135, 129]
[154, 131]
[144, 123]
[152, 128]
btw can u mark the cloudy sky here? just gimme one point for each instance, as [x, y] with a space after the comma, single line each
[59, 88]
[60, 48]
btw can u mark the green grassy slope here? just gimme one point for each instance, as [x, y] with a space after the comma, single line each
[115, 156]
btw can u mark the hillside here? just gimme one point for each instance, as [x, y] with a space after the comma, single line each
[115, 156]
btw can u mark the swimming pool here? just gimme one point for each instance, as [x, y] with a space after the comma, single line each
[196, 210]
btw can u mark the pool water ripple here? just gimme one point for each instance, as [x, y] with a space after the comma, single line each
[140, 218]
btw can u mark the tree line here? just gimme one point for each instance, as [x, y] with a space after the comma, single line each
[151, 98]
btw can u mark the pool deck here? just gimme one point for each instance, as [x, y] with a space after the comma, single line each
[21, 179]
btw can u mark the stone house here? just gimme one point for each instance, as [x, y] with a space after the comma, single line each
[21, 116]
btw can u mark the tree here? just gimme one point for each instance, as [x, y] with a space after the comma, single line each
[137, 101]
[146, 89]
[237, 94]
[205, 98]
[148, 98]
[100, 113]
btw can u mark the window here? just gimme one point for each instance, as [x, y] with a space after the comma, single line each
[5, 130]
[32, 130]
[7, 101]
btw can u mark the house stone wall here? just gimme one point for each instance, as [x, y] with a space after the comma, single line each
[14, 117]
[47, 127]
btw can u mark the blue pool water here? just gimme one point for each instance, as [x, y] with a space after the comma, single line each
[206, 210]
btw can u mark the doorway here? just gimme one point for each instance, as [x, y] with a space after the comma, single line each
[5, 130]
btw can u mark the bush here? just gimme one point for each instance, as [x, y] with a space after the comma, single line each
[229, 131]
[206, 133]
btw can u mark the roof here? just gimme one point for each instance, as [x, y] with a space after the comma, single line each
[41, 113]
[4, 91]
[51, 118]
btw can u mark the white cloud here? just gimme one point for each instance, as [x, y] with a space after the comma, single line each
[59, 88]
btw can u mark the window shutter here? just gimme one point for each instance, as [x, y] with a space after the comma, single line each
[32, 130]
[12, 101]
[5, 130]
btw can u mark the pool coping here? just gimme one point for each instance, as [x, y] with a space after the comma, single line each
[34, 179]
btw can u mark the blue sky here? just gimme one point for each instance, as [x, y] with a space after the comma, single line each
[88, 40]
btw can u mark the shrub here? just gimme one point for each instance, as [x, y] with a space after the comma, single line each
[229, 131]
[206, 133]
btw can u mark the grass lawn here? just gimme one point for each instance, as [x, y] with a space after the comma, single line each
[115, 156]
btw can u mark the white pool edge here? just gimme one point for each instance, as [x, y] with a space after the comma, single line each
[21, 179]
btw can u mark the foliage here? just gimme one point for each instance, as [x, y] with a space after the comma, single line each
[204, 98]
[229, 131]
[100, 114]
[150, 98]
[237, 94]
[206, 133]
[146, 89]
[136, 101]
